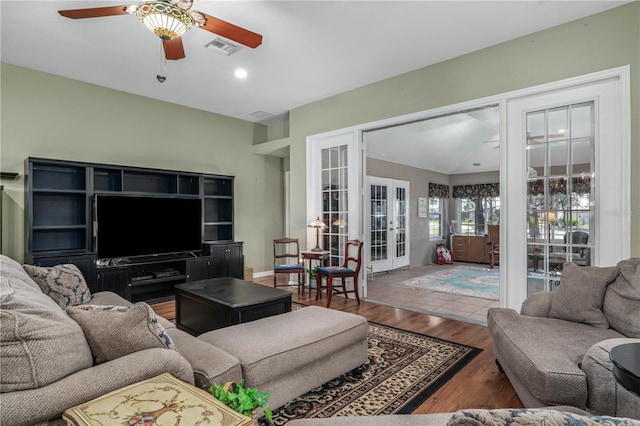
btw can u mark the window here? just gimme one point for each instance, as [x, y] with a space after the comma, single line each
[477, 213]
[435, 217]
[560, 192]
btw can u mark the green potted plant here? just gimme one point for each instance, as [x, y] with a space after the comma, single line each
[312, 276]
[243, 400]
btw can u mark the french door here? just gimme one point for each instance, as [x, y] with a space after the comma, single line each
[388, 223]
[567, 182]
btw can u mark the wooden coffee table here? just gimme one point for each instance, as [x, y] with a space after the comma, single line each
[160, 400]
[207, 305]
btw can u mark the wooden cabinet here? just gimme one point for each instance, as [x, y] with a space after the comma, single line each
[115, 280]
[469, 248]
[198, 269]
[227, 260]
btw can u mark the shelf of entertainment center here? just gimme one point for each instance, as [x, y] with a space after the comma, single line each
[148, 281]
[153, 278]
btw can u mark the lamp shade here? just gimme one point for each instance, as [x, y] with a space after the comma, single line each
[164, 19]
[317, 223]
[340, 223]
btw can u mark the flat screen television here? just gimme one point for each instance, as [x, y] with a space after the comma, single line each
[128, 226]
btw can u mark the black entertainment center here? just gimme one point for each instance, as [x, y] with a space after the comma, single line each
[134, 231]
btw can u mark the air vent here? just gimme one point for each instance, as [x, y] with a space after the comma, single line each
[222, 46]
[260, 115]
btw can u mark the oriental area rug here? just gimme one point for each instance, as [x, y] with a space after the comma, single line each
[404, 369]
[474, 281]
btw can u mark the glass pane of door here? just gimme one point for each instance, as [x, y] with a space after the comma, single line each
[378, 241]
[401, 222]
[335, 201]
[560, 222]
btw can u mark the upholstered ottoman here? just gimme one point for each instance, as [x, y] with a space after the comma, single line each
[291, 353]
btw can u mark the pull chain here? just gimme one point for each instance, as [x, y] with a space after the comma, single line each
[161, 78]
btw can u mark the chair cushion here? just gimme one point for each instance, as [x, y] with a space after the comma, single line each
[103, 326]
[335, 270]
[299, 268]
[65, 284]
[581, 294]
[622, 300]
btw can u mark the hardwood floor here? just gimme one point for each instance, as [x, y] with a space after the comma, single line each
[478, 385]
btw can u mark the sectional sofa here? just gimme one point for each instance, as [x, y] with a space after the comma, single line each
[68, 346]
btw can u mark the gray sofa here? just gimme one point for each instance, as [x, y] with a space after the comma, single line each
[556, 350]
[50, 359]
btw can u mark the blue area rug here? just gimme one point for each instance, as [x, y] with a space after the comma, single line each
[463, 280]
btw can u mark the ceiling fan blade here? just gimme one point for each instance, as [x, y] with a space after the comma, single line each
[232, 32]
[173, 49]
[94, 12]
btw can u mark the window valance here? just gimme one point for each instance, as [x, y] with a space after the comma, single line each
[579, 185]
[438, 191]
[480, 190]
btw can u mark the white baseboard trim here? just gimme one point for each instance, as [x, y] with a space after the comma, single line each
[262, 274]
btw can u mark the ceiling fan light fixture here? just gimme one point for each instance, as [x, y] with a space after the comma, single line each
[163, 19]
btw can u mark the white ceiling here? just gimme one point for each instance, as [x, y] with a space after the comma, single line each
[464, 142]
[311, 49]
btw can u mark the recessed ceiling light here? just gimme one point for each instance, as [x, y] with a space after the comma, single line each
[241, 73]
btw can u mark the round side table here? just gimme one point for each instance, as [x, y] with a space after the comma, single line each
[626, 366]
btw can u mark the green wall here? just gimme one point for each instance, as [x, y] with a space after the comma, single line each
[53, 117]
[599, 42]
[48, 116]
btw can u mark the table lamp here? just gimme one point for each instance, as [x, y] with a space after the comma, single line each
[317, 223]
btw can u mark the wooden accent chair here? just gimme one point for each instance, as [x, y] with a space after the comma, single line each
[284, 250]
[493, 232]
[342, 272]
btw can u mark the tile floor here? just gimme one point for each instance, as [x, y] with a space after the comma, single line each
[463, 308]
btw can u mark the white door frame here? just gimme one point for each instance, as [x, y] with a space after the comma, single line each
[287, 203]
[354, 137]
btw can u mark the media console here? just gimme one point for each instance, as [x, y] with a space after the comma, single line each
[151, 279]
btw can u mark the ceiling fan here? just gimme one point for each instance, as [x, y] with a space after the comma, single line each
[169, 20]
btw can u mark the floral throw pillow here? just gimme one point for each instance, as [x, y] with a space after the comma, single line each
[65, 284]
[532, 417]
[115, 331]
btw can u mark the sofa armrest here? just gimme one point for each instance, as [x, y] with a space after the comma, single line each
[108, 298]
[32, 406]
[605, 396]
[537, 304]
[210, 364]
